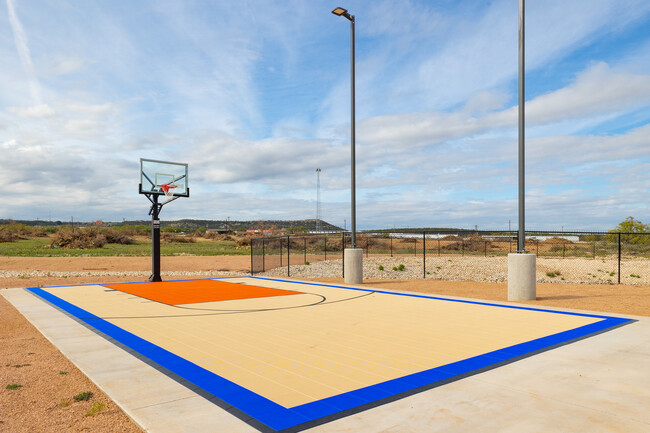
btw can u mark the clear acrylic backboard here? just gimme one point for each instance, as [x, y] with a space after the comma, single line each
[158, 176]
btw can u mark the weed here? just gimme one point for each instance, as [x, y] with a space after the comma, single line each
[84, 396]
[63, 372]
[13, 386]
[635, 276]
[394, 268]
[428, 273]
[96, 407]
[550, 274]
[381, 268]
[562, 278]
[400, 267]
[307, 263]
[64, 404]
[611, 274]
[438, 267]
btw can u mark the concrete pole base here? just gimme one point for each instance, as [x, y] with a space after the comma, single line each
[353, 266]
[521, 277]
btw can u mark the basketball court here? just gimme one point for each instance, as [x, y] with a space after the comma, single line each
[290, 355]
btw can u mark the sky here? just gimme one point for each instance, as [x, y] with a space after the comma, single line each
[255, 96]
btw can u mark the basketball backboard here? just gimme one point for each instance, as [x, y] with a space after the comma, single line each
[156, 176]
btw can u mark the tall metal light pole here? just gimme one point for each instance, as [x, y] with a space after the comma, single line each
[318, 209]
[353, 220]
[521, 239]
[521, 265]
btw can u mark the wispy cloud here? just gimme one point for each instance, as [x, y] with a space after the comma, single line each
[20, 39]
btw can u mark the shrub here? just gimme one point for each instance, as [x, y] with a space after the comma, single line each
[169, 237]
[84, 396]
[78, 239]
[96, 407]
[381, 268]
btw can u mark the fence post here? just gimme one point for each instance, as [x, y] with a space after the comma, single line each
[252, 256]
[305, 249]
[280, 240]
[325, 247]
[619, 258]
[563, 249]
[415, 247]
[263, 255]
[537, 248]
[288, 256]
[462, 245]
[424, 255]
[485, 248]
[391, 246]
[438, 245]
[594, 250]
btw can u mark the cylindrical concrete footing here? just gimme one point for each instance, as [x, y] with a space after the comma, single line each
[521, 277]
[353, 273]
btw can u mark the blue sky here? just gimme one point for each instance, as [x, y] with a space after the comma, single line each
[255, 95]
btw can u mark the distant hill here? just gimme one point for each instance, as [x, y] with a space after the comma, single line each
[191, 224]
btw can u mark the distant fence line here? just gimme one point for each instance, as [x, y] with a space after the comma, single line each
[272, 252]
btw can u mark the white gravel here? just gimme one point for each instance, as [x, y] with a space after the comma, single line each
[484, 269]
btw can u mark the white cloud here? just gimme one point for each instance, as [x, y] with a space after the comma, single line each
[597, 90]
[37, 111]
[20, 39]
[66, 65]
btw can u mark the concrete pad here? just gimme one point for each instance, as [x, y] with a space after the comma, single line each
[528, 395]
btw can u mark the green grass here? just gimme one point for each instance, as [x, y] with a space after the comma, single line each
[40, 247]
[13, 386]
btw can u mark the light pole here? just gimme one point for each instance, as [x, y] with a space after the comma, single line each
[318, 209]
[522, 136]
[521, 265]
[353, 256]
[339, 11]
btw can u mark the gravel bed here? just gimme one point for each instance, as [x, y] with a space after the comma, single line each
[483, 269]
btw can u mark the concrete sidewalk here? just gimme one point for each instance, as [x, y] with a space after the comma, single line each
[598, 384]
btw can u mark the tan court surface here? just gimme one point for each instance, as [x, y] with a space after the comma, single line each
[599, 384]
[322, 342]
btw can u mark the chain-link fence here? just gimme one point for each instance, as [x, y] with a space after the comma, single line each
[600, 257]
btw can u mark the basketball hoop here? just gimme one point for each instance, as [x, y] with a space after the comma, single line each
[168, 189]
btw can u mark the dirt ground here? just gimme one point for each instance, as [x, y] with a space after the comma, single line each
[45, 402]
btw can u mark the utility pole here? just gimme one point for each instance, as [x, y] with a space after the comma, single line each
[319, 214]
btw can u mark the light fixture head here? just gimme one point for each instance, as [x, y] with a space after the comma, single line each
[339, 11]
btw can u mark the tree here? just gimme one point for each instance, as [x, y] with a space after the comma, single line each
[631, 225]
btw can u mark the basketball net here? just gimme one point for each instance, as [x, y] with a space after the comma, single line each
[168, 189]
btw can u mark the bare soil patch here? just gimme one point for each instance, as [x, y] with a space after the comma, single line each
[44, 402]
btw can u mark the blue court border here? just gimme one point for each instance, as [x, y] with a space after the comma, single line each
[279, 418]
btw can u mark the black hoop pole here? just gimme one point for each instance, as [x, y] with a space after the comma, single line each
[155, 239]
